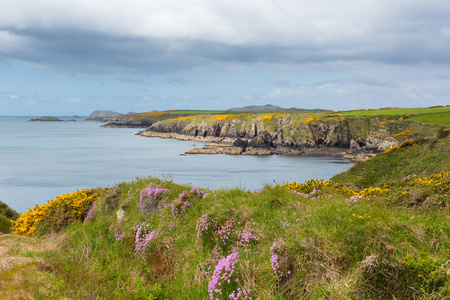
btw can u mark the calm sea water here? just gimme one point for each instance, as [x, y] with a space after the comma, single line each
[41, 160]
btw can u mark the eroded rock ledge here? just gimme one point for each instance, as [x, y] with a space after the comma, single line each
[236, 146]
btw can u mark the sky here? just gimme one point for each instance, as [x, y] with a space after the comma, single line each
[73, 57]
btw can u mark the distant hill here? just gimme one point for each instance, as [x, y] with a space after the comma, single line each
[256, 108]
[100, 115]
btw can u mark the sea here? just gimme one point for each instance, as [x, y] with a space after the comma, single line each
[41, 160]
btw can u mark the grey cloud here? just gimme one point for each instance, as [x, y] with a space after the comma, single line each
[284, 32]
[282, 81]
[133, 80]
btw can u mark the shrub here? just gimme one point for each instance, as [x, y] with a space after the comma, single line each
[57, 213]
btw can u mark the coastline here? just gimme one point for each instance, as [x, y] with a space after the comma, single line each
[232, 146]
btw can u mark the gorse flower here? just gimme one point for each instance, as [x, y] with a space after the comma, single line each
[75, 204]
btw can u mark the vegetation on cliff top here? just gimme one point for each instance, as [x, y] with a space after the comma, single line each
[415, 113]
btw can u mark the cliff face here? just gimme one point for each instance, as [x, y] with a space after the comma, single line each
[285, 131]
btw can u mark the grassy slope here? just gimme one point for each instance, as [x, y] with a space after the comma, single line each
[422, 160]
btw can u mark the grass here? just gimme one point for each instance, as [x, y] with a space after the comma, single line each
[197, 112]
[424, 159]
[437, 118]
[396, 111]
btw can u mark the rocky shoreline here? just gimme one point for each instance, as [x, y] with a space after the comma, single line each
[236, 146]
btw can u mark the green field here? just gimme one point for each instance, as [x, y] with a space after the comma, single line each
[435, 118]
[396, 111]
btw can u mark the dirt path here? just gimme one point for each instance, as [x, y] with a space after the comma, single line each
[23, 270]
[12, 251]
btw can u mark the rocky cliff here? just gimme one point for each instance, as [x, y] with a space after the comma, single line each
[285, 133]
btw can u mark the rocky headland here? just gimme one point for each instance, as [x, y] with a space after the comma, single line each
[357, 139]
[102, 115]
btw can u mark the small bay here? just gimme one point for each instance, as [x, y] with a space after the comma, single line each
[41, 160]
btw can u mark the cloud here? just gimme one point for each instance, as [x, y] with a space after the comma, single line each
[297, 52]
[282, 81]
[9, 43]
[240, 79]
[177, 78]
[133, 80]
[74, 100]
[170, 36]
[13, 96]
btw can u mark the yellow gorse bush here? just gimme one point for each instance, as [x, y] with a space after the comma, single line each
[75, 203]
[405, 133]
[312, 119]
[391, 150]
[185, 118]
[405, 145]
[226, 117]
[439, 182]
[309, 185]
[266, 117]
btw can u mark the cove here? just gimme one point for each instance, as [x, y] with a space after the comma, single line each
[41, 160]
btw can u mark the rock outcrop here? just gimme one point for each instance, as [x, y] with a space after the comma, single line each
[356, 139]
[46, 119]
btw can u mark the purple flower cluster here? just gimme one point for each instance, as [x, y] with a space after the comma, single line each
[246, 239]
[240, 294]
[143, 237]
[314, 192]
[183, 201]
[275, 251]
[286, 224]
[223, 275]
[118, 234]
[224, 233]
[204, 225]
[91, 212]
[354, 199]
[153, 192]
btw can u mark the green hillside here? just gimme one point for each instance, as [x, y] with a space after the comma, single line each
[412, 158]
